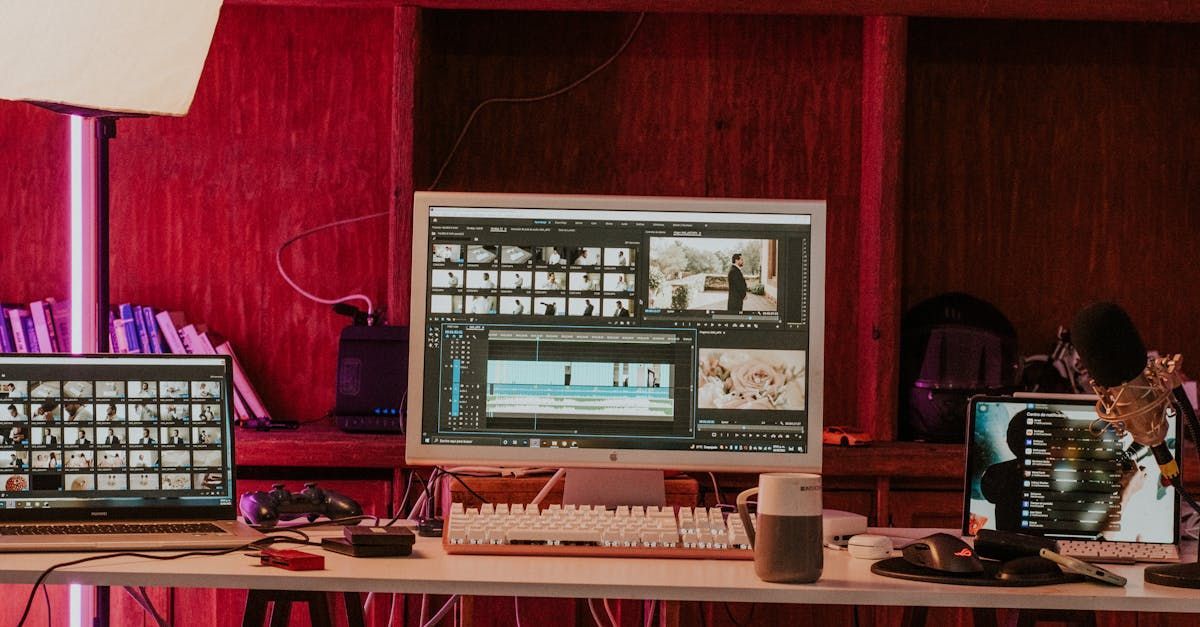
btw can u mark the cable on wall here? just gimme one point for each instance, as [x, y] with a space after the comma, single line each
[309, 295]
[446, 163]
[527, 99]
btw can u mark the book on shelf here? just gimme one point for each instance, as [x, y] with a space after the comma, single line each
[31, 339]
[52, 327]
[133, 320]
[24, 335]
[197, 339]
[45, 326]
[12, 317]
[240, 413]
[33, 328]
[39, 313]
[153, 336]
[6, 336]
[169, 323]
[254, 406]
[122, 339]
[189, 334]
[60, 312]
[202, 344]
[128, 333]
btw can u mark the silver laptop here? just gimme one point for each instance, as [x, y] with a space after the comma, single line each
[117, 452]
[1036, 465]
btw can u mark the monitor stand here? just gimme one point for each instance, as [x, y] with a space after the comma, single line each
[609, 487]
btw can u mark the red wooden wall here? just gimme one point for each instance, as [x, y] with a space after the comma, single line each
[699, 105]
[1053, 164]
[289, 130]
[292, 127]
[34, 202]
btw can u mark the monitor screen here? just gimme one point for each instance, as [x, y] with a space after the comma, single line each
[110, 433]
[592, 331]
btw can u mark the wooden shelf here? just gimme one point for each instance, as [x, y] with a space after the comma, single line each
[895, 459]
[318, 445]
[322, 445]
[930, 461]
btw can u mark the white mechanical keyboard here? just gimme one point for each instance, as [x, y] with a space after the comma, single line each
[586, 530]
[1119, 552]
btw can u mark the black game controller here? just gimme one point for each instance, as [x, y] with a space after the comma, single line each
[264, 509]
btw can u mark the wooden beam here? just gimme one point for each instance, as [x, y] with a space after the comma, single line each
[406, 42]
[885, 42]
[1110, 10]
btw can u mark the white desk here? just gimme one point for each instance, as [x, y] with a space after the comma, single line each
[429, 570]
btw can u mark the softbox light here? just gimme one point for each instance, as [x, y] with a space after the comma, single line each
[120, 56]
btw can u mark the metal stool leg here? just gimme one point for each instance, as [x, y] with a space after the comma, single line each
[354, 609]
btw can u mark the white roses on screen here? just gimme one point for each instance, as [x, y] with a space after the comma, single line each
[750, 380]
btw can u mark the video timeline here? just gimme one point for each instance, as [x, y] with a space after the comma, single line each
[584, 381]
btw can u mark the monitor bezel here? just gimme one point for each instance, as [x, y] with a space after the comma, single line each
[418, 452]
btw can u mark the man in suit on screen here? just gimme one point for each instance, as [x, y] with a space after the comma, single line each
[737, 283]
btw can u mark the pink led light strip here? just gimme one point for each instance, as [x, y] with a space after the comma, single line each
[83, 269]
[84, 235]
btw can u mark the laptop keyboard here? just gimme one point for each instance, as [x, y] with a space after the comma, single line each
[1119, 552]
[108, 528]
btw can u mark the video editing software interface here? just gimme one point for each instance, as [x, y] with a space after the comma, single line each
[617, 329]
[113, 432]
[1041, 467]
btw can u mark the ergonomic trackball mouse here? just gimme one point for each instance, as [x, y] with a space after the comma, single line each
[944, 552]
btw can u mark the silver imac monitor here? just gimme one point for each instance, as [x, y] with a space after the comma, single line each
[616, 332]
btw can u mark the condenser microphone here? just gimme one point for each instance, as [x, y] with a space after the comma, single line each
[1134, 392]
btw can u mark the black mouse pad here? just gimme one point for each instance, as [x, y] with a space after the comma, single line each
[900, 568]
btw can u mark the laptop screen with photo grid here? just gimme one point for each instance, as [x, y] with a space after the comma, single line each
[111, 433]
